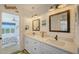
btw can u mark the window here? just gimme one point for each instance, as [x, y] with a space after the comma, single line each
[3, 30]
[12, 30]
[7, 30]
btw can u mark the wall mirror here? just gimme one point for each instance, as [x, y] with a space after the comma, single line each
[60, 22]
[36, 25]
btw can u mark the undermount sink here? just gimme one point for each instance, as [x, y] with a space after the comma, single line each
[55, 42]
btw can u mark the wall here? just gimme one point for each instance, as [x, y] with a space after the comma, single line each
[21, 32]
[77, 27]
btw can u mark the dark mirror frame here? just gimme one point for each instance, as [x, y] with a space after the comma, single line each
[38, 20]
[68, 22]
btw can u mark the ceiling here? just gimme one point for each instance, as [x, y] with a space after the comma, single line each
[29, 10]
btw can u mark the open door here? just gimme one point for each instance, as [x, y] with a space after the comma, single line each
[9, 42]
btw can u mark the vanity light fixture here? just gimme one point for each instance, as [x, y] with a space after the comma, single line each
[62, 6]
[57, 6]
[53, 7]
[34, 15]
[9, 7]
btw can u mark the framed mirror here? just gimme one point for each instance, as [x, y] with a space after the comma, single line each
[36, 25]
[60, 22]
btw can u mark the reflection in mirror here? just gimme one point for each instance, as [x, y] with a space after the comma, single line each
[60, 22]
[36, 25]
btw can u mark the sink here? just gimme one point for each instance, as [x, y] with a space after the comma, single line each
[53, 41]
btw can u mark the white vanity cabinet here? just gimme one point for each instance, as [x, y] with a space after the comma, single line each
[48, 49]
[36, 47]
[31, 45]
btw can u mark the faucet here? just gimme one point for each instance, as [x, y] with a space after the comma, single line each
[56, 37]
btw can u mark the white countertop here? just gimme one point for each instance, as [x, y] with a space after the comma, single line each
[68, 46]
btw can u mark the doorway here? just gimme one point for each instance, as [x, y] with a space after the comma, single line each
[9, 33]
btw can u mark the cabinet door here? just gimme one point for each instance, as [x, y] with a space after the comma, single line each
[47, 49]
[36, 49]
[32, 45]
[28, 45]
[35, 46]
[43, 48]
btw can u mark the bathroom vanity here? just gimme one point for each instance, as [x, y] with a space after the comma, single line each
[47, 45]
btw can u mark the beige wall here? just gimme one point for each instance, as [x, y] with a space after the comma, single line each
[21, 32]
[77, 27]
